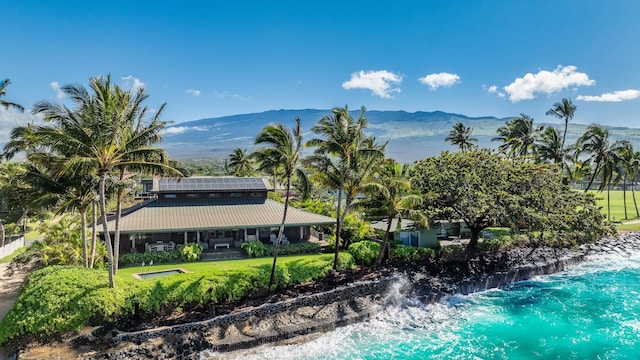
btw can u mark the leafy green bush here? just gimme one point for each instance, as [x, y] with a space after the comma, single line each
[57, 299]
[410, 253]
[364, 252]
[60, 298]
[159, 257]
[254, 248]
[294, 249]
[190, 252]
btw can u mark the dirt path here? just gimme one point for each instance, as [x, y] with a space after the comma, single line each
[9, 286]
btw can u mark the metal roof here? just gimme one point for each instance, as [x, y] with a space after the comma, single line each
[195, 214]
[217, 184]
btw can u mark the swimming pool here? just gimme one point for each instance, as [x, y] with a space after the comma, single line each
[160, 273]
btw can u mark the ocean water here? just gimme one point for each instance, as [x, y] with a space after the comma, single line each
[591, 311]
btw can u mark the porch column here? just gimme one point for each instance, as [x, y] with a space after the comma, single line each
[301, 232]
[185, 238]
[198, 237]
[245, 235]
[133, 241]
[257, 234]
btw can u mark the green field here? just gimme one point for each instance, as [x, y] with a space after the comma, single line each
[617, 204]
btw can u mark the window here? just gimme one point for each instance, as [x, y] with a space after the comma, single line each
[235, 195]
[215, 195]
[169, 196]
[192, 196]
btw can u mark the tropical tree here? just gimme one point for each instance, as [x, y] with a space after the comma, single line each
[343, 158]
[548, 146]
[240, 163]
[626, 167]
[3, 92]
[601, 152]
[283, 146]
[106, 133]
[518, 136]
[460, 136]
[564, 109]
[390, 197]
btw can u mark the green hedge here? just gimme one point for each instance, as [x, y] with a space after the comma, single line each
[158, 257]
[58, 299]
[410, 253]
[364, 252]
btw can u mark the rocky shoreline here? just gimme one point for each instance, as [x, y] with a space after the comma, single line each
[324, 311]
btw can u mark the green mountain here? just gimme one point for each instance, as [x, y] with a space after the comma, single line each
[411, 136]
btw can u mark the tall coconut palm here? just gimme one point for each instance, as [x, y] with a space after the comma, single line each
[634, 166]
[564, 109]
[343, 159]
[626, 170]
[390, 197]
[548, 146]
[283, 146]
[240, 163]
[460, 136]
[3, 92]
[603, 153]
[518, 136]
[105, 133]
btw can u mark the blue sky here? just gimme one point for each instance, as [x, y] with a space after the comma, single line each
[215, 58]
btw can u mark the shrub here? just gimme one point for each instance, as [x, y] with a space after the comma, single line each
[409, 254]
[57, 299]
[254, 248]
[160, 257]
[190, 252]
[364, 252]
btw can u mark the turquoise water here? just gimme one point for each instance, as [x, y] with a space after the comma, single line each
[591, 311]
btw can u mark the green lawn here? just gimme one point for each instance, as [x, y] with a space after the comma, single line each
[617, 204]
[206, 266]
[7, 259]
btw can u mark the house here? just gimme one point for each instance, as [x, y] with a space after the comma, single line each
[409, 234]
[217, 212]
[412, 235]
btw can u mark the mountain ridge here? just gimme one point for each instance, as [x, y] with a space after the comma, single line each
[411, 135]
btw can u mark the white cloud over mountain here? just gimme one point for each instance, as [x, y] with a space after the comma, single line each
[493, 89]
[437, 80]
[616, 96]
[546, 82]
[382, 82]
[175, 130]
[11, 118]
[193, 92]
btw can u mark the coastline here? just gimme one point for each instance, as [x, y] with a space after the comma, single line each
[301, 317]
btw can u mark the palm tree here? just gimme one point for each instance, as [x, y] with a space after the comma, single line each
[595, 143]
[548, 147]
[626, 168]
[343, 159]
[518, 136]
[3, 91]
[563, 110]
[284, 147]
[240, 163]
[461, 136]
[634, 165]
[390, 197]
[106, 133]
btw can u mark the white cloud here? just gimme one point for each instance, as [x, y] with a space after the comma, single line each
[11, 118]
[616, 96]
[176, 130]
[493, 89]
[546, 82]
[226, 94]
[56, 86]
[379, 82]
[440, 79]
[193, 92]
[133, 83]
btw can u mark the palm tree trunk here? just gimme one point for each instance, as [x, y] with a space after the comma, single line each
[338, 229]
[564, 135]
[105, 229]
[1, 234]
[595, 172]
[280, 232]
[609, 201]
[94, 237]
[385, 240]
[633, 194]
[83, 220]
[116, 237]
[624, 195]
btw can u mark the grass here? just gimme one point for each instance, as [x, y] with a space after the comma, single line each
[8, 258]
[207, 266]
[617, 204]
